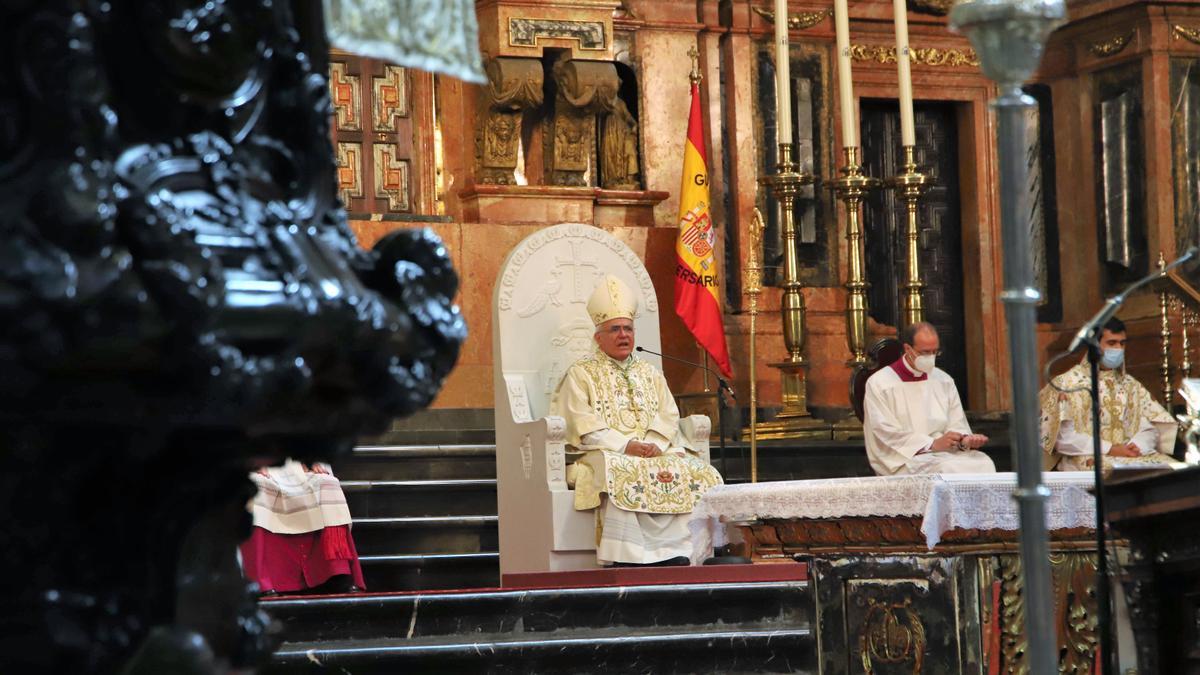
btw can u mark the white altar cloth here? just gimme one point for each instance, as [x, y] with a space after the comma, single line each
[944, 501]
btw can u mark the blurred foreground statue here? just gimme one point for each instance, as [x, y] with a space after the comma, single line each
[181, 300]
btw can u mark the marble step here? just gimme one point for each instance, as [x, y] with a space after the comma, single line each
[420, 461]
[686, 649]
[399, 498]
[426, 534]
[543, 612]
[433, 571]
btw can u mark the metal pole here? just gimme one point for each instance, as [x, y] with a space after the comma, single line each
[1020, 298]
[1104, 618]
[1009, 36]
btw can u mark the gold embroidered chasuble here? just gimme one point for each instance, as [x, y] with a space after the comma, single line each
[1124, 406]
[607, 403]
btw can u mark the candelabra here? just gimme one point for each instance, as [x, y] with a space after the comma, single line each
[752, 288]
[794, 421]
[1009, 36]
[850, 189]
[911, 184]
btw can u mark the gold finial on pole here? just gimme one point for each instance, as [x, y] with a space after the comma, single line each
[695, 75]
[752, 287]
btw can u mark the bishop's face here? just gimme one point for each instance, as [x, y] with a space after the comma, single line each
[615, 338]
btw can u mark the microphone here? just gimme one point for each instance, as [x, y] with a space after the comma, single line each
[1087, 333]
[721, 383]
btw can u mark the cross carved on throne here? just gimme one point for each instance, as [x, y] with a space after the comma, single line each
[582, 282]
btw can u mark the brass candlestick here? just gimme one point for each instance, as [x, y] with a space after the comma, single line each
[911, 185]
[794, 421]
[851, 188]
[752, 287]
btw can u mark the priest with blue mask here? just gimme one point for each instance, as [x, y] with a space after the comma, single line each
[1134, 428]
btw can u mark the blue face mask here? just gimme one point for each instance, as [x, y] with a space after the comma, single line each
[1112, 358]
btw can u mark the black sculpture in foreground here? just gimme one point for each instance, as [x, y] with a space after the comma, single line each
[180, 300]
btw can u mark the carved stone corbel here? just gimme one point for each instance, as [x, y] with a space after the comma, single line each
[585, 90]
[514, 85]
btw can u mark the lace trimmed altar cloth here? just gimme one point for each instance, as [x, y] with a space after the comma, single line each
[944, 501]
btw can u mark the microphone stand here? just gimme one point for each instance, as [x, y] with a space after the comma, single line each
[1090, 335]
[722, 388]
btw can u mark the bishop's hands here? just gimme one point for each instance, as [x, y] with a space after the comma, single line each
[1124, 450]
[952, 441]
[642, 449]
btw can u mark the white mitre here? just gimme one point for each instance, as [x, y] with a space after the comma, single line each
[612, 299]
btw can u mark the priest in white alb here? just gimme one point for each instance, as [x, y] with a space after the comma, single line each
[913, 419]
[631, 463]
[1135, 430]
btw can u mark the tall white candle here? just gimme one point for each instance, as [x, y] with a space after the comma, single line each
[783, 73]
[841, 23]
[908, 134]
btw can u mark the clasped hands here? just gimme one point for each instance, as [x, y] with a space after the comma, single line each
[952, 441]
[1124, 450]
[642, 449]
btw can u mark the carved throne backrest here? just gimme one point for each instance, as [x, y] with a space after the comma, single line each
[540, 310]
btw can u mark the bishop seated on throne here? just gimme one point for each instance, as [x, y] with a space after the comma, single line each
[632, 464]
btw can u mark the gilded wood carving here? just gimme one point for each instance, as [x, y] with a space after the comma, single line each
[1075, 616]
[927, 56]
[1189, 33]
[799, 21]
[1112, 46]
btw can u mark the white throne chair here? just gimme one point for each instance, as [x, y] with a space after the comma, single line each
[540, 326]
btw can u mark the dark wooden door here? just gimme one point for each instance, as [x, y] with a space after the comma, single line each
[939, 217]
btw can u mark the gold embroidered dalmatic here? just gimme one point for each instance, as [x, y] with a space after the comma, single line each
[1125, 406]
[606, 404]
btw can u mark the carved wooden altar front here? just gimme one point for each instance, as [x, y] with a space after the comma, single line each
[918, 574]
[888, 604]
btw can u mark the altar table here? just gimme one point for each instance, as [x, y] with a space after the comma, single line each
[917, 574]
[962, 504]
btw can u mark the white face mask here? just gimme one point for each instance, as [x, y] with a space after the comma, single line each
[924, 363]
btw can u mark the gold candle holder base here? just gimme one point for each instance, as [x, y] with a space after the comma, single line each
[911, 184]
[848, 429]
[794, 421]
[850, 189]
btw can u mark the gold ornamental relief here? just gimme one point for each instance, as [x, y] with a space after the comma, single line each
[892, 633]
[1111, 46]
[1189, 33]
[799, 21]
[925, 56]
[1073, 577]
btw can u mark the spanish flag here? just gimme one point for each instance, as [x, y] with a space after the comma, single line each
[697, 285]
